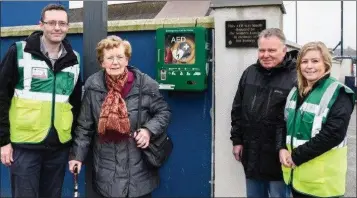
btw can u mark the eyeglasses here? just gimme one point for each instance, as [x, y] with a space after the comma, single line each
[61, 24]
[113, 58]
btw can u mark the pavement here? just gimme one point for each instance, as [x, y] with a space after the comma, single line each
[351, 171]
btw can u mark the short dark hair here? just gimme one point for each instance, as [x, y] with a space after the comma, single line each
[53, 7]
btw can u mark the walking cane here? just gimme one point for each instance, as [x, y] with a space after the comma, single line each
[75, 178]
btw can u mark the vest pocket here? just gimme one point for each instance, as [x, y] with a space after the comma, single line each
[66, 117]
[307, 121]
[27, 116]
[63, 121]
[311, 172]
[308, 118]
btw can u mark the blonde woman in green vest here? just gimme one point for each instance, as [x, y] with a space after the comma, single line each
[317, 114]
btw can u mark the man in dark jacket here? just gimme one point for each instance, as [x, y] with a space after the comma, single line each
[257, 114]
[39, 86]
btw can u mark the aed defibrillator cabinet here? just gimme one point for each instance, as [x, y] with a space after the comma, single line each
[182, 58]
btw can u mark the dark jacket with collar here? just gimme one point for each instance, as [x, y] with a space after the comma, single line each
[258, 115]
[119, 170]
[9, 77]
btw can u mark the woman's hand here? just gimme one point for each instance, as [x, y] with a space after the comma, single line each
[285, 157]
[290, 161]
[142, 138]
[72, 164]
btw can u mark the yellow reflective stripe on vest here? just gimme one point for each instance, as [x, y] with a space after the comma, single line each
[26, 94]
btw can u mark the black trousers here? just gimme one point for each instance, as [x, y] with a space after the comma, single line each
[38, 173]
[97, 195]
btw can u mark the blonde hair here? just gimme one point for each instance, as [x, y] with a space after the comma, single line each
[326, 56]
[112, 42]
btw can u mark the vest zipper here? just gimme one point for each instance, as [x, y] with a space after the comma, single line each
[291, 146]
[53, 100]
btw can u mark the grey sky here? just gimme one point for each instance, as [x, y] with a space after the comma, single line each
[317, 20]
[321, 20]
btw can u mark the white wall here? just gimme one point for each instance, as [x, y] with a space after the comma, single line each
[345, 69]
[336, 71]
[229, 66]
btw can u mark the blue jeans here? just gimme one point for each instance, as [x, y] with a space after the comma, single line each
[258, 188]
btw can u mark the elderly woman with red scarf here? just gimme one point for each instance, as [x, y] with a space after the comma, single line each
[109, 115]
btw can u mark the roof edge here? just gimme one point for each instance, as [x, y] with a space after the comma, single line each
[120, 25]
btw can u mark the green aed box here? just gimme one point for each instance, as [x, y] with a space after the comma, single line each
[182, 58]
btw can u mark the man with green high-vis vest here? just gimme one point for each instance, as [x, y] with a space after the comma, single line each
[317, 112]
[40, 96]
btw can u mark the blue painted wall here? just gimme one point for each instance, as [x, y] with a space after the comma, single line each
[14, 13]
[188, 171]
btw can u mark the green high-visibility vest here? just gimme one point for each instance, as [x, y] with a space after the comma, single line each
[41, 98]
[325, 175]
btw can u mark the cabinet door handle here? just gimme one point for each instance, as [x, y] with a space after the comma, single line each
[158, 55]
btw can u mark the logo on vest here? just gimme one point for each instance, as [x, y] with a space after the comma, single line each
[40, 73]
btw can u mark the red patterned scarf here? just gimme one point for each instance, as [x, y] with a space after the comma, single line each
[114, 114]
